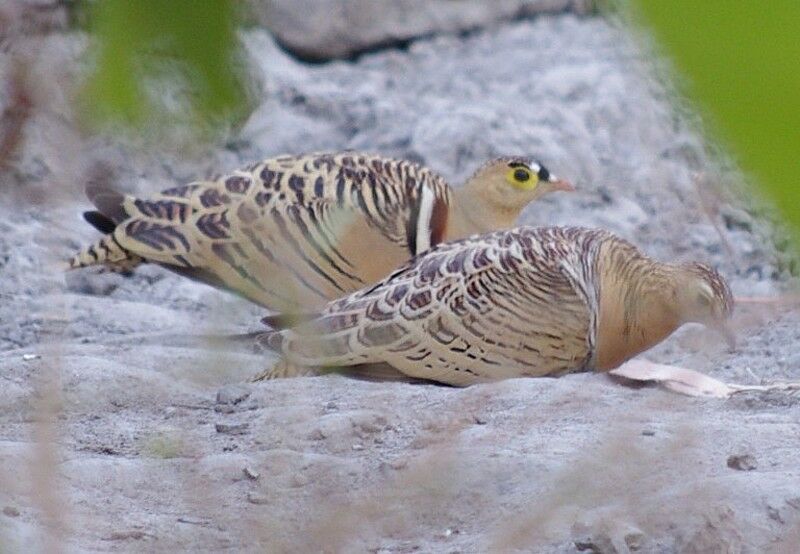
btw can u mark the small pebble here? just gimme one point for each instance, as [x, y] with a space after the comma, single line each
[255, 498]
[648, 433]
[232, 394]
[398, 464]
[30, 357]
[251, 474]
[231, 428]
[742, 462]
[126, 535]
[775, 514]
[94, 284]
[11, 511]
[316, 435]
[192, 521]
[358, 447]
[736, 218]
[299, 480]
[634, 540]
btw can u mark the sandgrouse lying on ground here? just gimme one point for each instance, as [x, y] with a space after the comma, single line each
[294, 232]
[522, 302]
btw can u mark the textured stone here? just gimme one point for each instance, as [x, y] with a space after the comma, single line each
[232, 394]
[325, 29]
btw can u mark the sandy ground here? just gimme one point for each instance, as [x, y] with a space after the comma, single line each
[121, 431]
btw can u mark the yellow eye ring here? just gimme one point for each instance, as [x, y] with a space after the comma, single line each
[522, 178]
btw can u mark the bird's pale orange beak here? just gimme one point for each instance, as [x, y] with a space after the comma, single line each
[563, 185]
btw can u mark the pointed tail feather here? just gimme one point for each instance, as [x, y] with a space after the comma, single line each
[107, 252]
[282, 321]
[110, 212]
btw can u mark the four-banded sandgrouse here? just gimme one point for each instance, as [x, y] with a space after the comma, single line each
[294, 232]
[521, 302]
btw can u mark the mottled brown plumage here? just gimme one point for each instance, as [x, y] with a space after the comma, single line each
[294, 232]
[523, 302]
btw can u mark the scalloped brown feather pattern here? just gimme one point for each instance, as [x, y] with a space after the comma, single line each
[512, 303]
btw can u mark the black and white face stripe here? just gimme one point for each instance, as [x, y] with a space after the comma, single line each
[543, 174]
[541, 171]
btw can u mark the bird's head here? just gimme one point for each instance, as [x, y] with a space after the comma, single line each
[705, 297]
[511, 183]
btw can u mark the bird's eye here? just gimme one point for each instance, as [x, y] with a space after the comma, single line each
[522, 178]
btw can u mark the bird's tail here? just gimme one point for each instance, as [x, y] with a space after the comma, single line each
[107, 252]
[272, 339]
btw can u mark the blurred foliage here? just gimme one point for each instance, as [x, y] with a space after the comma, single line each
[191, 44]
[742, 62]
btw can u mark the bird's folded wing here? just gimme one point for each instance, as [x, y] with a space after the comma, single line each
[287, 257]
[465, 312]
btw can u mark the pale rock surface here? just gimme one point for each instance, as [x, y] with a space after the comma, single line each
[111, 399]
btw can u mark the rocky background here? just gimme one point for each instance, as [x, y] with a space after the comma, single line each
[122, 429]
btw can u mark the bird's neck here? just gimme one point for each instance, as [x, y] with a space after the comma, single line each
[637, 306]
[470, 213]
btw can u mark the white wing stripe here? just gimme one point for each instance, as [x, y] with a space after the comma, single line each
[424, 220]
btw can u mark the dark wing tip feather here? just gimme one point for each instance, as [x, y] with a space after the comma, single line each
[286, 321]
[99, 222]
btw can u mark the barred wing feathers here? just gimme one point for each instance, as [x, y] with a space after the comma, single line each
[507, 304]
[288, 233]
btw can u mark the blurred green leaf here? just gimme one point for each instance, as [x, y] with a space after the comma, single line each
[742, 60]
[134, 39]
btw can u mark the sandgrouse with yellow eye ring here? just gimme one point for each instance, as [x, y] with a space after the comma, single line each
[523, 302]
[293, 232]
